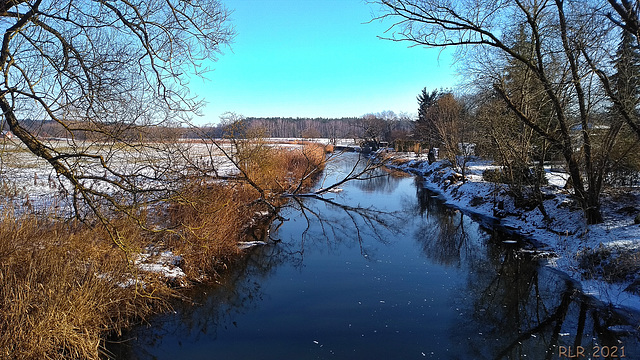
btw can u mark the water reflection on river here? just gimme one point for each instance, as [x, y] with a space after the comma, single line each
[392, 274]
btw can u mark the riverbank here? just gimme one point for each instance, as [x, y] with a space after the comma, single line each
[604, 259]
[66, 285]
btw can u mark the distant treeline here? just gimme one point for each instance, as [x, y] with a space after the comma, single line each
[386, 126]
[99, 131]
[348, 127]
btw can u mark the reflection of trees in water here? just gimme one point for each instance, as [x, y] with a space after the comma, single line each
[442, 235]
[443, 240]
[319, 219]
[511, 307]
[518, 309]
[386, 182]
[524, 310]
[377, 177]
[209, 307]
[323, 221]
[427, 203]
[334, 224]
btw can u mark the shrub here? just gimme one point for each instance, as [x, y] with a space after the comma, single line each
[611, 263]
[522, 176]
[63, 288]
[209, 219]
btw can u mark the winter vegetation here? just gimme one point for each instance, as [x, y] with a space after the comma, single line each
[385, 125]
[106, 209]
[68, 280]
[546, 81]
[551, 93]
[603, 258]
[112, 198]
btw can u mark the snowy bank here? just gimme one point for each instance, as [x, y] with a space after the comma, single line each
[604, 258]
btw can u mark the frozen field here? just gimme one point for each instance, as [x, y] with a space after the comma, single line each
[31, 182]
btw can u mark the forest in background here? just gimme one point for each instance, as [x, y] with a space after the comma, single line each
[383, 126]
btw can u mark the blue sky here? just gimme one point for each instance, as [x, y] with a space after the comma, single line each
[306, 58]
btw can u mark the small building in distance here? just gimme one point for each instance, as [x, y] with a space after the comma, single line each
[6, 134]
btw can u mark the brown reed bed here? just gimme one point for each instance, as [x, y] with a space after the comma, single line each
[212, 218]
[62, 289]
[65, 286]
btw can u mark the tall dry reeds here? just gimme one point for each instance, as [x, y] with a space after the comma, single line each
[65, 286]
[62, 289]
[286, 170]
[209, 219]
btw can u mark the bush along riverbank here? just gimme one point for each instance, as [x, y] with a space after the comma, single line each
[65, 286]
[603, 258]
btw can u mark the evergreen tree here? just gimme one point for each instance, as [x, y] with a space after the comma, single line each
[425, 129]
[625, 85]
[626, 81]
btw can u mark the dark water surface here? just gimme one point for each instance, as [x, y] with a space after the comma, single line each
[392, 274]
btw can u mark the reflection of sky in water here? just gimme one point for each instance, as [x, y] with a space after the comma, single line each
[430, 284]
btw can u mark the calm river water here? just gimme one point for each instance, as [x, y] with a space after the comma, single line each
[390, 274]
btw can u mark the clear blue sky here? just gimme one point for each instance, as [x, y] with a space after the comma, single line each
[306, 58]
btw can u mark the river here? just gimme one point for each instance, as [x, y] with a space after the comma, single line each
[390, 274]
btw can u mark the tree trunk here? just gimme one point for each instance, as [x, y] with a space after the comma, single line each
[592, 211]
[589, 198]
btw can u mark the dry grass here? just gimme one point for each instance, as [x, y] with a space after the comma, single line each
[61, 290]
[210, 219]
[329, 148]
[64, 287]
[393, 160]
[278, 170]
[207, 220]
[612, 264]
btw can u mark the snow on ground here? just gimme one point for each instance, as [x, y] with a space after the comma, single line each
[614, 244]
[30, 184]
[162, 262]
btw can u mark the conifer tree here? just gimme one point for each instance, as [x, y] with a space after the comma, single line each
[626, 81]
[425, 129]
[626, 89]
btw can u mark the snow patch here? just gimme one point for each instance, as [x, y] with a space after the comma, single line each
[164, 263]
[243, 245]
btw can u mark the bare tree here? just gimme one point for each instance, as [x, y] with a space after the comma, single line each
[374, 129]
[107, 74]
[448, 124]
[565, 32]
[625, 15]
